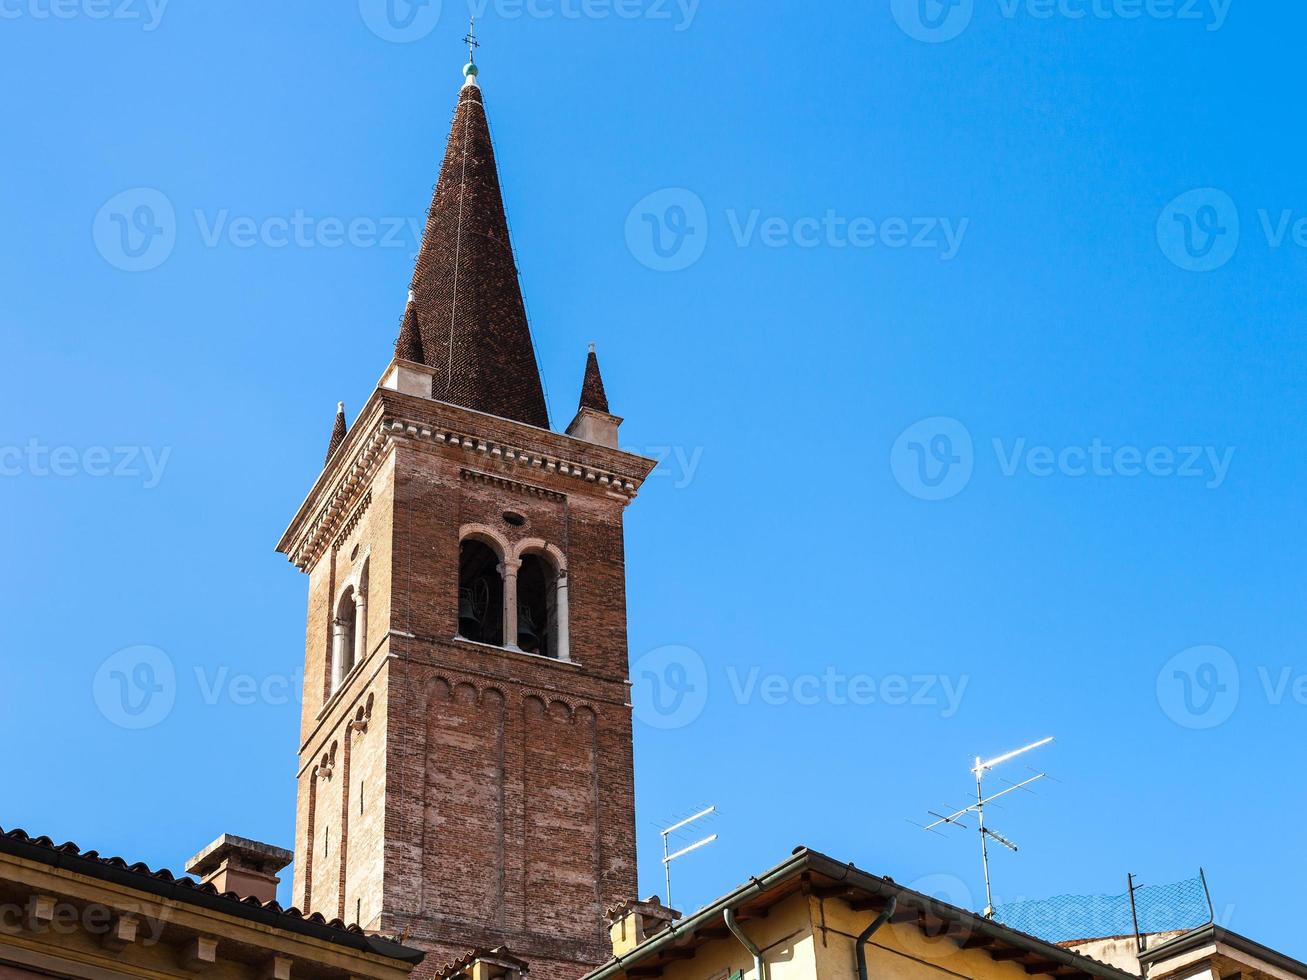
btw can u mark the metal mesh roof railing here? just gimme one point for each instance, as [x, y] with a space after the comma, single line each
[1176, 906]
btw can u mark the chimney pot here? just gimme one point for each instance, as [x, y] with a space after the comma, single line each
[236, 864]
[632, 922]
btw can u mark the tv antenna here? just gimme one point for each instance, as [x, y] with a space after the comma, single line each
[978, 808]
[668, 858]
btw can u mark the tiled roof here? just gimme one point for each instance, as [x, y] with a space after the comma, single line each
[71, 857]
[467, 297]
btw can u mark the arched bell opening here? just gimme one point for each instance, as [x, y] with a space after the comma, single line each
[537, 606]
[480, 593]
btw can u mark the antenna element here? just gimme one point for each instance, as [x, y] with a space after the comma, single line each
[669, 858]
[978, 808]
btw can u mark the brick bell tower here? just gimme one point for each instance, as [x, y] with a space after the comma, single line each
[465, 769]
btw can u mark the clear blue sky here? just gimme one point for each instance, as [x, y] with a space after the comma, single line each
[1045, 548]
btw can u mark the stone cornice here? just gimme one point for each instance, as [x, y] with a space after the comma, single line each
[390, 417]
[499, 481]
[615, 483]
[353, 467]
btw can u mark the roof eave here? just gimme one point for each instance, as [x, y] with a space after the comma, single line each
[1212, 934]
[805, 860]
[185, 891]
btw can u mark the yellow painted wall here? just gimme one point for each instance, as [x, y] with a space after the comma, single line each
[897, 951]
[811, 939]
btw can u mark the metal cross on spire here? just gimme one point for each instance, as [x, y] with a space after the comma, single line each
[471, 40]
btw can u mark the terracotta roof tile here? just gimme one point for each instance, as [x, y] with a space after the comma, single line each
[145, 872]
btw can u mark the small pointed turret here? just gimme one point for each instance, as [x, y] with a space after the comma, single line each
[594, 422]
[592, 388]
[337, 433]
[409, 345]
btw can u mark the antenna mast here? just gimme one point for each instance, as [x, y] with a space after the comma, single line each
[669, 858]
[978, 808]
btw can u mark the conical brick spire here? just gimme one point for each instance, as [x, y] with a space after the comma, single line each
[409, 345]
[468, 304]
[337, 433]
[592, 388]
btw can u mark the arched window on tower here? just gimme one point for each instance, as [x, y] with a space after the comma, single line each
[342, 646]
[480, 593]
[537, 606]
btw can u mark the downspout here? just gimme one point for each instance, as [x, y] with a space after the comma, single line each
[729, 916]
[861, 943]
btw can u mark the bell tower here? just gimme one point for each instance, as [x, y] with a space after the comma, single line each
[465, 766]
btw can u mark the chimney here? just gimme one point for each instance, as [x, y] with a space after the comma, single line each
[632, 922]
[485, 964]
[246, 867]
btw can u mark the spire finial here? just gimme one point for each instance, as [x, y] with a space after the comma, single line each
[470, 70]
[592, 348]
[471, 40]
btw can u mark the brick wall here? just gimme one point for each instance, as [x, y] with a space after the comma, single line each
[497, 787]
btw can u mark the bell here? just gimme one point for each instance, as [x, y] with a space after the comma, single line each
[469, 622]
[528, 637]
